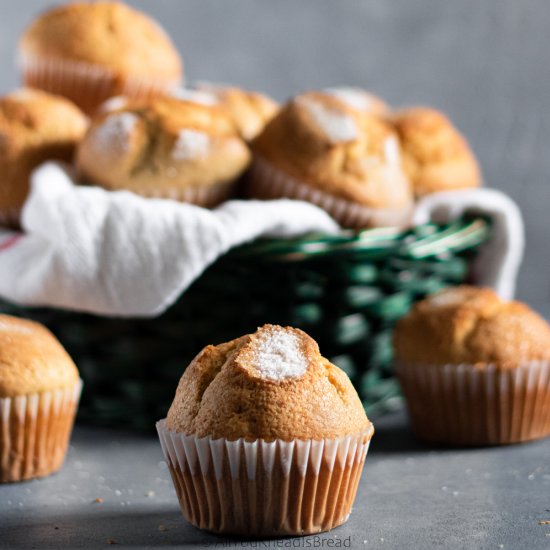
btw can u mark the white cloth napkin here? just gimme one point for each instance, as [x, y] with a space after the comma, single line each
[498, 261]
[117, 254]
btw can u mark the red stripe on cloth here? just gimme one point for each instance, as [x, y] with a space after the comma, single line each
[10, 241]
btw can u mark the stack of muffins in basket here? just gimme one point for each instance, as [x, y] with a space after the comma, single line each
[340, 148]
[265, 436]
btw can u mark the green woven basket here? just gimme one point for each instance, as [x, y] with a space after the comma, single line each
[346, 291]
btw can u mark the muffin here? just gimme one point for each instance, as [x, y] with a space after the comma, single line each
[90, 51]
[318, 148]
[436, 156]
[359, 99]
[39, 393]
[474, 369]
[34, 127]
[265, 437]
[250, 111]
[164, 147]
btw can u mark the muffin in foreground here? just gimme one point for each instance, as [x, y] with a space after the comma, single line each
[166, 148]
[474, 369]
[436, 156]
[320, 149]
[90, 51]
[265, 437]
[34, 127]
[39, 393]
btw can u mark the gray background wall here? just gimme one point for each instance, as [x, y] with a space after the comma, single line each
[487, 64]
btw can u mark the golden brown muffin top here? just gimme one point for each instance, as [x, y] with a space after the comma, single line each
[250, 111]
[320, 140]
[31, 117]
[31, 359]
[34, 127]
[473, 326]
[109, 34]
[273, 384]
[161, 143]
[436, 156]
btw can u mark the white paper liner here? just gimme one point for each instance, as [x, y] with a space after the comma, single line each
[267, 488]
[266, 182]
[86, 84]
[478, 405]
[35, 431]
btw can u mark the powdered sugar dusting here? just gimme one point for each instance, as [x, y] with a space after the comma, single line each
[190, 144]
[354, 97]
[113, 104]
[391, 150]
[337, 126]
[115, 131]
[446, 298]
[278, 355]
[196, 96]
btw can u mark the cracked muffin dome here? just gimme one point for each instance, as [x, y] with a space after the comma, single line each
[34, 127]
[436, 156]
[164, 147]
[250, 111]
[273, 384]
[90, 51]
[31, 359]
[347, 161]
[469, 325]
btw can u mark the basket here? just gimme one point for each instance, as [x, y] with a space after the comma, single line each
[346, 290]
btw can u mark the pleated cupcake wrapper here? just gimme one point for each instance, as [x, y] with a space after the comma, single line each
[265, 488]
[86, 84]
[473, 405]
[207, 196]
[35, 431]
[266, 182]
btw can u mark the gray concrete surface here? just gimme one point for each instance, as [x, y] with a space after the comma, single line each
[485, 63]
[411, 497]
